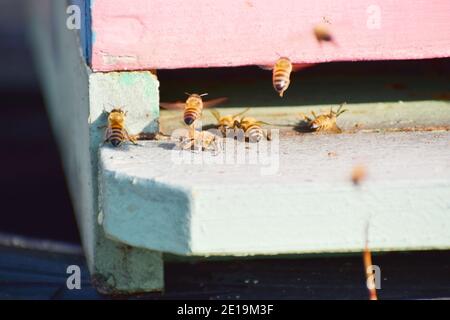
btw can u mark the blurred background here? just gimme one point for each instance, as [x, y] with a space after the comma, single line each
[34, 197]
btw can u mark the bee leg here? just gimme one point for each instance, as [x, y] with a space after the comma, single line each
[314, 114]
[268, 135]
[218, 146]
[305, 117]
[133, 140]
[186, 145]
[129, 137]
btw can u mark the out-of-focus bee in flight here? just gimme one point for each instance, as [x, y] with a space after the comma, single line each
[325, 122]
[359, 173]
[200, 140]
[281, 73]
[323, 33]
[193, 106]
[368, 267]
[116, 132]
[227, 122]
[252, 128]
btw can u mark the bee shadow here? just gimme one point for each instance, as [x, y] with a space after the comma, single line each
[303, 126]
[209, 126]
[167, 145]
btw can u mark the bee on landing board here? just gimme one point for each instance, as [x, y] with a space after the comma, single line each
[227, 122]
[193, 106]
[116, 133]
[201, 140]
[252, 129]
[325, 122]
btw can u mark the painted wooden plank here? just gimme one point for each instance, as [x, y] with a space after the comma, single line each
[76, 101]
[297, 199]
[295, 277]
[83, 7]
[147, 34]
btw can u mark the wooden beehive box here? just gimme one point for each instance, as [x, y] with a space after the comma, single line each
[136, 203]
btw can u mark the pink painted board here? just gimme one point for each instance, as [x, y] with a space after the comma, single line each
[168, 34]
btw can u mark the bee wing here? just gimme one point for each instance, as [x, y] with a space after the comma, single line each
[300, 66]
[241, 113]
[178, 105]
[266, 67]
[216, 114]
[295, 66]
[214, 102]
[108, 133]
[259, 123]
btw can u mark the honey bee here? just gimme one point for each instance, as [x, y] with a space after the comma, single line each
[359, 173]
[116, 133]
[281, 75]
[323, 33]
[227, 122]
[367, 261]
[252, 129]
[202, 140]
[193, 106]
[325, 122]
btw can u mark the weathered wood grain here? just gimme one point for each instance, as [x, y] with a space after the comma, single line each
[147, 34]
[298, 198]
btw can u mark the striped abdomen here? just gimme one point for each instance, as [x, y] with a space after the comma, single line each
[254, 133]
[192, 112]
[281, 74]
[325, 123]
[116, 135]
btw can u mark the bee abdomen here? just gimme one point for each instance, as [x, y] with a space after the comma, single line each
[281, 79]
[255, 133]
[117, 136]
[191, 114]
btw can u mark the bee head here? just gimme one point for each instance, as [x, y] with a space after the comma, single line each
[195, 99]
[117, 115]
[227, 121]
[283, 63]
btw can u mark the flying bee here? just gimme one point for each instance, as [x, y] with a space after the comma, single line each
[116, 133]
[193, 106]
[325, 122]
[323, 33]
[252, 129]
[359, 173]
[281, 73]
[227, 122]
[202, 140]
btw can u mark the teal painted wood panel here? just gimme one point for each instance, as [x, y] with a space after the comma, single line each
[299, 199]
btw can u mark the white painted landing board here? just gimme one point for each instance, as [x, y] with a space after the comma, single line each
[310, 205]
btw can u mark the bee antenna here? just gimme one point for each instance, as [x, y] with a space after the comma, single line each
[187, 93]
[339, 110]
[204, 94]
